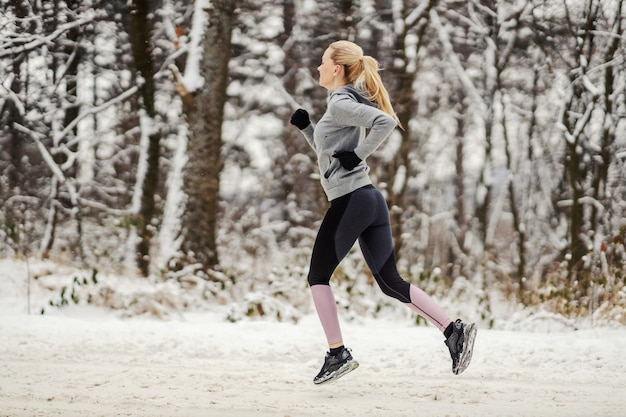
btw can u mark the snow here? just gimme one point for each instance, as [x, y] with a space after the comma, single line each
[169, 236]
[81, 360]
[192, 79]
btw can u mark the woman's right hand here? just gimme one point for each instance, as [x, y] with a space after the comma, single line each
[300, 119]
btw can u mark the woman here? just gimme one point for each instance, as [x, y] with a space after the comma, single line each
[359, 101]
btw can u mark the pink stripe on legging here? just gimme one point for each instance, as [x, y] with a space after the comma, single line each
[326, 307]
[426, 307]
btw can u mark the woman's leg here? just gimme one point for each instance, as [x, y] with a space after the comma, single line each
[326, 308]
[377, 247]
[426, 307]
[343, 223]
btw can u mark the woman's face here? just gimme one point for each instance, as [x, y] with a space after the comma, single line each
[330, 73]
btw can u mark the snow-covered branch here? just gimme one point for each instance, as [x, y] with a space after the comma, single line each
[89, 16]
[47, 157]
[456, 63]
[10, 94]
[581, 123]
[93, 110]
[583, 200]
[416, 14]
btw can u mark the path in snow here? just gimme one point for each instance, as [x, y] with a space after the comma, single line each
[103, 366]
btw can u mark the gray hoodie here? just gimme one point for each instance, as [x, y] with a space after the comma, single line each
[343, 128]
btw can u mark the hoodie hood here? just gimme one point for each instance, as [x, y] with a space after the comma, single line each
[356, 94]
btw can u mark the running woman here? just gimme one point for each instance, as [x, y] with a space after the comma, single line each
[358, 101]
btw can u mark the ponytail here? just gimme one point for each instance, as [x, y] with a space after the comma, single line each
[362, 72]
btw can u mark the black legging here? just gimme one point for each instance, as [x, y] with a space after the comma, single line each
[363, 215]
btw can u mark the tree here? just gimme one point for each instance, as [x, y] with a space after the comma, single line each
[587, 119]
[50, 37]
[204, 110]
[140, 36]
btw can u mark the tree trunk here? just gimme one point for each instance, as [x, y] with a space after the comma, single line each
[607, 148]
[205, 114]
[140, 42]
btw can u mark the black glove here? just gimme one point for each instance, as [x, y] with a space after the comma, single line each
[347, 159]
[300, 119]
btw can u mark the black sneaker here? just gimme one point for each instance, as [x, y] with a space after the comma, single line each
[461, 345]
[336, 366]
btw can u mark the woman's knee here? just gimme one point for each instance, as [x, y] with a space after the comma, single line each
[317, 280]
[396, 288]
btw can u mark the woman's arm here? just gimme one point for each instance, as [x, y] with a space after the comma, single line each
[308, 134]
[346, 111]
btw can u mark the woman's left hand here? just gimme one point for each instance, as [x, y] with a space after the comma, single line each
[348, 159]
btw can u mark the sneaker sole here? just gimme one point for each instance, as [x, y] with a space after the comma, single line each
[346, 368]
[466, 356]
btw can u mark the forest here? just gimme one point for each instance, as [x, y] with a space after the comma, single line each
[151, 140]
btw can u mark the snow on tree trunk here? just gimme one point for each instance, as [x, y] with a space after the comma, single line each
[170, 238]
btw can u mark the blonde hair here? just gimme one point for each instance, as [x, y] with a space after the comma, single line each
[362, 72]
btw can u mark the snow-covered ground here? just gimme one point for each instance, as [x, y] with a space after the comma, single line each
[84, 361]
